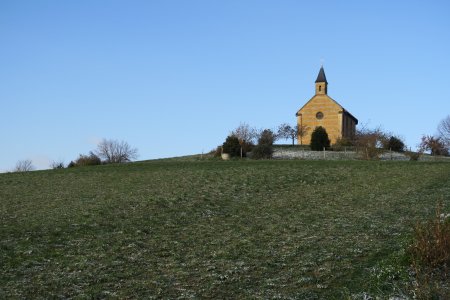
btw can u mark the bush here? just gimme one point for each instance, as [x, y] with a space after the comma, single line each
[216, 152]
[87, 160]
[413, 156]
[394, 144]
[114, 151]
[343, 142]
[262, 151]
[246, 136]
[430, 256]
[24, 166]
[435, 145]
[369, 142]
[266, 137]
[232, 146]
[246, 147]
[319, 139]
[57, 165]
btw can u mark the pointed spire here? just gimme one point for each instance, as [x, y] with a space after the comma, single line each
[321, 77]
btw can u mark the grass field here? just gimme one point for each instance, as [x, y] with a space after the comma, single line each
[214, 229]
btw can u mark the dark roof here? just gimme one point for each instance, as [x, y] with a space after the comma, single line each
[321, 77]
[351, 116]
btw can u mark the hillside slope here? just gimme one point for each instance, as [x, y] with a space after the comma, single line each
[213, 229]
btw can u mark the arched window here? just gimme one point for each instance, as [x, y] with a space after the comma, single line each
[320, 88]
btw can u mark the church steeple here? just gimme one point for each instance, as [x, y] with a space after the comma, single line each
[321, 83]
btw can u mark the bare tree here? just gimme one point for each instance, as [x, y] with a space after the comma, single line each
[245, 133]
[57, 164]
[444, 130]
[302, 131]
[286, 131]
[113, 151]
[24, 166]
[369, 142]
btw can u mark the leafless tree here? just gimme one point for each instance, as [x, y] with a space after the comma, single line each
[286, 131]
[245, 133]
[114, 151]
[24, 166]
[444, 130]
[302, 131]
[57, 164]
[369, 142]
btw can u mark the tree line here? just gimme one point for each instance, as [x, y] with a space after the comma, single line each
[259, 142]
[369, 142]
[108, 151]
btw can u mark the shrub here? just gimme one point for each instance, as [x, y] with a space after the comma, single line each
[413, 156]
[216, 152]
[24, 166]
[430, 256]
[262, 151]
[57, 165]
[394, 144]
[247, 147]
[114, 151]
[71, 164]
[232, 146]
[435, 145]
[369, 142]
[319, 139]
[266, 137]
[370, 153]
[246, 136]
[88, 160]
[343, 142]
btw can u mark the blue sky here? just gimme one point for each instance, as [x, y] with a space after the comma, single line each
[175, 77]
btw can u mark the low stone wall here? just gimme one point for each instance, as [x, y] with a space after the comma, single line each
[298, 153]
[280, 153]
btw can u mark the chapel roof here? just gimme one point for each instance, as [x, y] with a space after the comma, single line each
[321, 77]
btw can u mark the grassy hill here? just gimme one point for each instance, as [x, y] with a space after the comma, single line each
[213, 229]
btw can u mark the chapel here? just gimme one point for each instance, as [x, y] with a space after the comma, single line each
[322, 110]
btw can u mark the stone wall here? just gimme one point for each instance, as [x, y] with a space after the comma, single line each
[297, 153]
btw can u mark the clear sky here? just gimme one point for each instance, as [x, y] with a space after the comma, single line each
[175, 77]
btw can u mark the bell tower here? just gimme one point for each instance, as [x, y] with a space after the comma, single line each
[321, 83]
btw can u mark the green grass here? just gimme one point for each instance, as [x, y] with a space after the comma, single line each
[193, 228]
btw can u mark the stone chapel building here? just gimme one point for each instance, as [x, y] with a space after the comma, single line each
[322, 110]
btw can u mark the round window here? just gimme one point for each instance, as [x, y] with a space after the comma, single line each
[319, 115]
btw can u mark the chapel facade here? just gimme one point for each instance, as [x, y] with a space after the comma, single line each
[322, 110]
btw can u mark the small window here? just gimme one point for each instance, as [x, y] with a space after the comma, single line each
[320, 88]
[319, 115]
